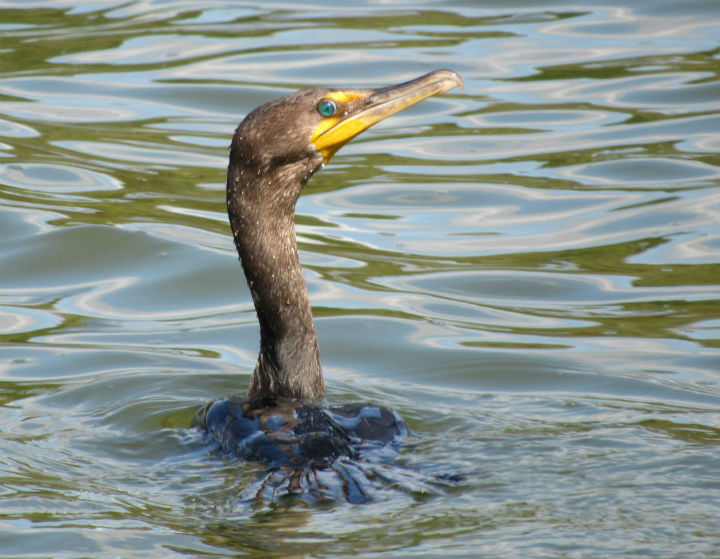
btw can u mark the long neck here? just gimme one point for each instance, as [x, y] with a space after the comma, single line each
[262, 220]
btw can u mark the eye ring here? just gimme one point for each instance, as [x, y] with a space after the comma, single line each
[327, 107]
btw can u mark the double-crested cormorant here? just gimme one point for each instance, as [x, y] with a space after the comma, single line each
[274, 151]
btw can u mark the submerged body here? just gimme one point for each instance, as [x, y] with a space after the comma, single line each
[291, 433]
[306, 446]
[274, 152]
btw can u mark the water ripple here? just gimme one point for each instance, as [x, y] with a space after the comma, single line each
[526, 270]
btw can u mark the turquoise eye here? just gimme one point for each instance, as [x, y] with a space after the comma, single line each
[327, 107]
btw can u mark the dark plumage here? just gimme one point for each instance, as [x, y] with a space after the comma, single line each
[271, 159]
[274, 151]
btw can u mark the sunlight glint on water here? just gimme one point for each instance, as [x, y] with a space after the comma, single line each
[527, 271]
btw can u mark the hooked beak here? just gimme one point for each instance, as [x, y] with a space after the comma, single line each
[368, 107]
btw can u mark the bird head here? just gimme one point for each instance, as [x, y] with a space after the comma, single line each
[304, 129]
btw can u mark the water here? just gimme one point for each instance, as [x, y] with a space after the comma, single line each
[528, 271]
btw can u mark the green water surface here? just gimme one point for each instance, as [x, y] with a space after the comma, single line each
[528, 271]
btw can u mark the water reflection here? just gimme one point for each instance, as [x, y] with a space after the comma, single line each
[527, 271]
[55, 178]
